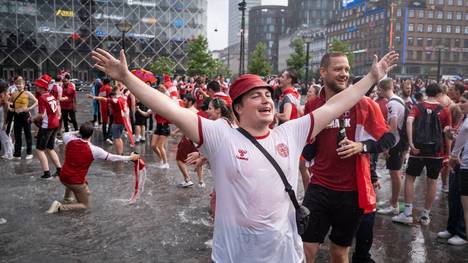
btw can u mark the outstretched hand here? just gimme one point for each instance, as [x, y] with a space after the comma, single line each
[117, 69]
[385, 65]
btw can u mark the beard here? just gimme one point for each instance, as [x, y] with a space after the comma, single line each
[333, 86]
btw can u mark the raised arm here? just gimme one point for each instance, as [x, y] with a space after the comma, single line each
[346, 99]
[185, 119]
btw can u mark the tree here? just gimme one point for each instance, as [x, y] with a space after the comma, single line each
[297, 59]
[340, 46]
[200, 61]
[163, 65]
[220, 69]
[259, 63]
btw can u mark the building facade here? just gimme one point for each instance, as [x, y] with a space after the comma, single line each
[423, 32]
[50, 35]
[267, 24]
[309, 13]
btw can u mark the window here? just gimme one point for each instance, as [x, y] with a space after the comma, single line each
[459, 2]
[420, 28]
[457, 30]
[440, 2]
[439, 29]
[431, 2]
[419, 55]
[419, 42]
[466, 15]
[411, 13]
[440, 15]
[398, 27]
[430, 14]
[429, 28]
[398, 12]
[457, 42]
[429, 42]
[410, 41]
[428, 55]
[448, 29]
[421, 13]
[450, 2]
[410, 27]
[459, 16]
[449, 15]
[466, 30]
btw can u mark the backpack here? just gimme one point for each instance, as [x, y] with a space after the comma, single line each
[402, 132]
[427, 130]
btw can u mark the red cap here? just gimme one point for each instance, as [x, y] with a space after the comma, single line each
[43, 81]
[245, 83]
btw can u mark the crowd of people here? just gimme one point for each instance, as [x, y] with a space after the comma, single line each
[330, 141]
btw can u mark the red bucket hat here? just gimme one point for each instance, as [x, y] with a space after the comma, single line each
[245, 83]
[43, 81]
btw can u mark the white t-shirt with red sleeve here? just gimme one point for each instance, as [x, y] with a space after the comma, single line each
[255, 218]
[50, 110]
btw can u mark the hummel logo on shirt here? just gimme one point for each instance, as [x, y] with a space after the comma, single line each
[242, 155]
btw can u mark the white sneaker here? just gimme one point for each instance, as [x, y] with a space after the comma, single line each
[402, 218]
[457, 241]
[201, 184]
[109, 141]
[425, 220]
[16, 158]
[164, 166]
[186, 184]
[209, 243]
[29, 157]
[54, 208]
[444, 234]
[445, 189]
[389, 210]
[6, 157]
[58, 141]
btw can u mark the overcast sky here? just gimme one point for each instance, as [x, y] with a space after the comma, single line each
[218, 19]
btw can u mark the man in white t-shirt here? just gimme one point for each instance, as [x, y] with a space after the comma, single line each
[395, 119]
[257, 222]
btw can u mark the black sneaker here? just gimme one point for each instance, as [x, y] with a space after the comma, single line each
[56, 174]
[46, 176]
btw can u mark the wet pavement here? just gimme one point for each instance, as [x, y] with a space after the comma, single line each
[168, 223]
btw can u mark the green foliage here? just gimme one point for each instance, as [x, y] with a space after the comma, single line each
[200, 61]
[297, 59]
[220, 69]
[259, 63]
[340, 46]
[163, 65]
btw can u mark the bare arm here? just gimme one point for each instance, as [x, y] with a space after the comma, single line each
[346, 99]
[183, 118]
[31, 97]
[286, 115]
[393, 123]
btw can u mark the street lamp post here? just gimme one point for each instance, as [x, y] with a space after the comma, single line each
[439, 60]
[307, 37]
[123, 26]
[242, 8]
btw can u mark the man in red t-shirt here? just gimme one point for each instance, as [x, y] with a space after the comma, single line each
[382, 101]
[68, 103]
[289, 102]
[214, 91]
[104, 92]
[48, 118]
[79, 155]
[341, 176]
[429, 155]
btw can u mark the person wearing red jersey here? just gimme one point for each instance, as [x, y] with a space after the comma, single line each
[382, 101]
[340, 190]
[214, 91]
[255, 205]
[199, 92]
[79, 155]
[68, 103]
[289, 107]
[104, 92]
[430, 157]
[49, 118]
[119, 109]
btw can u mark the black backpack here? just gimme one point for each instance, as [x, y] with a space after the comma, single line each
[427, 130]
[402, 132]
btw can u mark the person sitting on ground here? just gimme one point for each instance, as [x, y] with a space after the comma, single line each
[79, 155]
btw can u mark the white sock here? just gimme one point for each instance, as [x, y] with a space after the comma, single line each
[408, 209]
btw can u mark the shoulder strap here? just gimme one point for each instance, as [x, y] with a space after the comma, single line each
[288, 187]
[399, 101]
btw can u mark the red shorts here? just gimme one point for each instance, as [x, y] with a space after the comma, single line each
[184, 148]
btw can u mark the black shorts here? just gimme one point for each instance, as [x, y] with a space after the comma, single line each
[162, 129]
[395, 159]
[416, 165]
[46, 138]
[335, 209]
[463, 181]
[140, 120]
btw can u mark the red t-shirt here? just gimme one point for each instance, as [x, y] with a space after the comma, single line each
[104, 91]
[49, 108]
[445, 119]
[223, 96]
[199, 97]
[118, 106]
[69, 93]
[328, 169]
[383, 106]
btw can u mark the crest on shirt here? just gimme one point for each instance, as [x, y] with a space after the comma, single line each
[282, 149]
[242, 155]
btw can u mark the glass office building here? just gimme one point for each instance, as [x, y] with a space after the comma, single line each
[51, 35]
